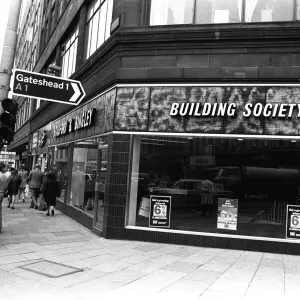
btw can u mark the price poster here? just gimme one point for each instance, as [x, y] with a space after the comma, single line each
[227, 213]
[293, 222]
[160, 211]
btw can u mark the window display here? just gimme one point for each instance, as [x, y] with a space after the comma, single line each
[83, 176]
[216, 185]
[88, 176]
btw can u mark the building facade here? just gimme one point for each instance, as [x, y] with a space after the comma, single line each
[25, 58]
[189, 129]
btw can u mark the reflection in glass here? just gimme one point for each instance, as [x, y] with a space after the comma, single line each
[84, 168]
[60, 168]
[98, 24]
[268, 10]
[100, 177]
[263, 175]
[165, 12]
[218, 11]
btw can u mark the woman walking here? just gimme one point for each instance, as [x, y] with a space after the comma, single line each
[13, 186]
[51, 190]
[23, 174]
[3, 186]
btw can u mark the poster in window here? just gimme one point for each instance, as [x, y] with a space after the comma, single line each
[227, 213]
[293, 222]
[160, 211]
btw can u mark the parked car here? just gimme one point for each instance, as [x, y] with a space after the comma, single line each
[188, 193]
[184, 192]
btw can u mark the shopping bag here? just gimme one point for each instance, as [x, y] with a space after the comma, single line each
[144, 210]
[26, 191]
[42, 204]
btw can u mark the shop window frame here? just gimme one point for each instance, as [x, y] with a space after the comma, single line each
[295, 9]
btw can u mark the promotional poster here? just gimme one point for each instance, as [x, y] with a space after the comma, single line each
[160, 211]
[293, 222]
[227, 213]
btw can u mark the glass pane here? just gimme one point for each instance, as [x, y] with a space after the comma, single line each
[60, 168]
[165, 12]
[84, 168]
[218, 11]
[93, 36]
[258, 178]
[65, 65]
[88, 50]
[108, 18]
[101, 29]
[269, 10]
[100, 178]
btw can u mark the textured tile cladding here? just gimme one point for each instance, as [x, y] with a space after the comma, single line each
[116, 187]
[148, 109]
[102, 123]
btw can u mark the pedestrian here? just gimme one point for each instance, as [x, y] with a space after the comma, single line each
[51, 190]
[207, 189]
[14, 183]
[3, 186]
[7, 173]
[24, 174]
[3, 182]
[35, 181]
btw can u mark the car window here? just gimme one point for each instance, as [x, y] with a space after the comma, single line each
[198, 185]
[176, 185]
[190, 185]
[183, 185]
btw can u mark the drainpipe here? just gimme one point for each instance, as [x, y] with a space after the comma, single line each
[7, 60]
[9, 48]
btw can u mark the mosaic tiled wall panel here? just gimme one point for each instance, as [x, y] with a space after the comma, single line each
[289, 126]
[148, 109]
[132, 109]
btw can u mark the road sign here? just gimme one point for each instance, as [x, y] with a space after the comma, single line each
[45, 87]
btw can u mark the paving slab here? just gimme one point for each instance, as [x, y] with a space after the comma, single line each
[58, 258]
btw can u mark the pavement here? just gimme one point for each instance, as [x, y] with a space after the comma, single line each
[45, 257]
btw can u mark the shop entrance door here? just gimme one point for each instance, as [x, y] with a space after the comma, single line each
[100, 183]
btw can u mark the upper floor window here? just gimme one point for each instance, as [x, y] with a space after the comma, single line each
[98, 24]
[68, 54]
[172, 12]
[60, 8]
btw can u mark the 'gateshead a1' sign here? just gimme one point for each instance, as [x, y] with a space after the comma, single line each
[45, 87]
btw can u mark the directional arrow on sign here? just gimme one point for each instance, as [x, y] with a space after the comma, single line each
[46, 87]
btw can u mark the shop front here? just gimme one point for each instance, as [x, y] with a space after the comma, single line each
[213, 165]
[208, 165]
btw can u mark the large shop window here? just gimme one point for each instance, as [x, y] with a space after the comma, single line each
[257, 177]
[98, 24]
[68, 54]
[171, 12]
[88, 176]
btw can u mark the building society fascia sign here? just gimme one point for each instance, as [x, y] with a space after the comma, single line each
[274, 110]
[81, 120]
[46, 87]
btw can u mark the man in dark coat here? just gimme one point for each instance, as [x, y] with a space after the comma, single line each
[35, 181]
[51, 190]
